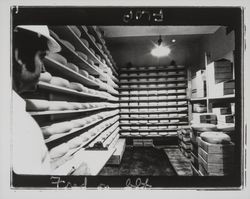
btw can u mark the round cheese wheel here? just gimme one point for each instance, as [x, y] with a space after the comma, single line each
[68, 44]
[91, 62]
[77, 123]
[37, 105]
[57, 57]
[85, 137]
[99, 45]
[214, 137]
[57, 128]
[203, 127]
[58, 105]
[45, 77]
[58, 81]
[98, 56]
[92, 37]
[226, 127]
[85, 28]
[76, 31]
[84, 73]
[76, 86]
[73, 67]
[85, 42]
[99, 34]
[59, 151]
[76, 105]
[85, 105]
[91, 77]
[75, 142]
[92, 50]
[54, 35]
[82, 55]
[91, 91]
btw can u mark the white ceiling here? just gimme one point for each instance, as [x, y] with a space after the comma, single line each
[132, 31]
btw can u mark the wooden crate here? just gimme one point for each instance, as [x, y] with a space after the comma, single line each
[216, 158]
[216, 148]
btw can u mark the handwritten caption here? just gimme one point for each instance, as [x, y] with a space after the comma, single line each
[139, 15]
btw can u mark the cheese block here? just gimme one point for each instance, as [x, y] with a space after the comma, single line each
[45, 77]
[214, 137]
[37, 105]
[68, 44]
[58, 105]
[85, 42]
[82, 55]
[57, 128]
[57, 57]
[75, 142]
[59, 151]
[77, 123]
[76, 86]
[73, 67]
[84, 73]
[58, 81]
[53, 34]
[76, 30]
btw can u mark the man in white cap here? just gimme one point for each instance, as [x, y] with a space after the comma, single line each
[30, 45]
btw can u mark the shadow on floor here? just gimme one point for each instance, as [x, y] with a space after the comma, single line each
[141, 161]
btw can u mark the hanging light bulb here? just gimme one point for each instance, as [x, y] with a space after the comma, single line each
[160, 50]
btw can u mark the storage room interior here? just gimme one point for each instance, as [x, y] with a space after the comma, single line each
[108, 106]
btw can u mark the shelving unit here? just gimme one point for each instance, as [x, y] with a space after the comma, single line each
[154, 88]
[104, 118]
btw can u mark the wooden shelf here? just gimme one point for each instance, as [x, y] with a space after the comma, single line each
[74, 130]
[70, 73]
[150, 70]
[95, 47]
[154, 88]
[152, 112]
[225, 97]
[154, 94]
[150, 76]
[112, 65]
[155, 124]
[153, 106]
[151, 118]
[40, 113]
[154, 100]
[198, 99]
[152, 82]
[147, 130]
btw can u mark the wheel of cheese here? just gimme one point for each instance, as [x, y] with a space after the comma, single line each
[85, 137]
[92, 50]
[75, 142]
[53, 34]
[214, 137]
[226, 127]
[85, 105]
[45, 77]
[98, 56]
[85, 28]
[77, 123]
[99, 34]
[57, 57]
[82, 55]
[84, 73]
[73, 67]
[68, 44]
[57, 128]
[76, 105]
[58, 81]
[59, 151]
[92, 37]
[91, 62]
[91, 77]
[37, 105]
[76, 31]
[202, 127]
[85, 42]
[58, 105]
[76, 86]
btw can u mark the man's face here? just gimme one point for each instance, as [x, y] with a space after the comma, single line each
[29, 51]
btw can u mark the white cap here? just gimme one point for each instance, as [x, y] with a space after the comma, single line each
[44, 31]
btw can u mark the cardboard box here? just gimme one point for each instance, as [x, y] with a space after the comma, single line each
[221, 111]
[216, 148]
[225, 118]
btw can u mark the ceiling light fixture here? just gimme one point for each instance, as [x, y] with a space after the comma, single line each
[160, 50]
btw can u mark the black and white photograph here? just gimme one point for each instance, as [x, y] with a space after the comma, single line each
[127, 98]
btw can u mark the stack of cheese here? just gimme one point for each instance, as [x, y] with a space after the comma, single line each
[184, 140]
[215, 154]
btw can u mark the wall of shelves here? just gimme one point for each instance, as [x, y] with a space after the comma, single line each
[151, 99]
[91, 114]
